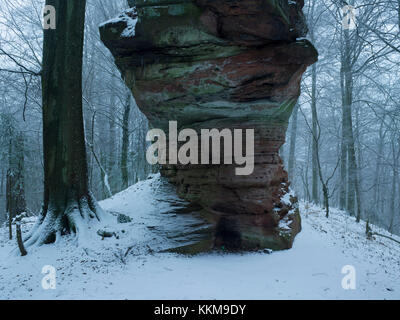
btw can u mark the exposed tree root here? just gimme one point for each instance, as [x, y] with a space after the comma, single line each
[383, 236]
[75, 218]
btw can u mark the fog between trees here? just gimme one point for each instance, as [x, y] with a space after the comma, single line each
[343, 143]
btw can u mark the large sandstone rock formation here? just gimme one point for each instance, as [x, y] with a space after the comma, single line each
[221, 64]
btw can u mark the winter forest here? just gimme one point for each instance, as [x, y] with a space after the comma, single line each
[68, 171]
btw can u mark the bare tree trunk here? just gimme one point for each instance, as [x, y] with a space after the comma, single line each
[314, 133]
[292, 149]
[8, 202]
[347, 129]
[20, 242]
[398, 184]
[392, 201]
[398, 13]
[359, 166]
[16, 203]
[325, 190]
[112, 139]
[2, 192]
[68, 204]
[306, 176]
[9, 192]
[2, 181]
[344, 82]
[396, 155]
[125, 142]
[353, 192]
[377, 178]
[343, 167]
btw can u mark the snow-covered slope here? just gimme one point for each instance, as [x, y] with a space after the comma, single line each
[130, 267]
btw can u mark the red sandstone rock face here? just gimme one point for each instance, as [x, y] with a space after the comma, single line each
[222, 64]
[250, 205]
[253, 22]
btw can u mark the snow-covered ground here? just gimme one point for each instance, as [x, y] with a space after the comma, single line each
[131, 268]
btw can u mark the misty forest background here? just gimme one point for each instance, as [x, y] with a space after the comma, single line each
[343, 140]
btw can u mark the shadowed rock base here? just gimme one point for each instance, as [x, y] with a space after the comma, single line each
[221, 64]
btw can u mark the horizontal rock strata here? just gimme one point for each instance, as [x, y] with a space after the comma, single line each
[221, 64]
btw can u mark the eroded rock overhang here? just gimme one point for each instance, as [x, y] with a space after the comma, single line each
[221, 64]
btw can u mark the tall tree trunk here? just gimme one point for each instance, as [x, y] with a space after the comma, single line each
[314, 191]
[348, 150]
[398, 197]
[306, 175]
[2, 181]
[68, 204]
[8, 202]
[343, 166]
[112, 138]
[392, 201]
[359, 166]
[15, 194]
[396, 155]
[398, 13]
[2, 192]
[353, 191]
[315, 176]
[103, 156]
[377, 178]
[292, 149]
[125, 142]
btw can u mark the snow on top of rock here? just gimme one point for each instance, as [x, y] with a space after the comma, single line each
[287, 196]
[129, 17]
